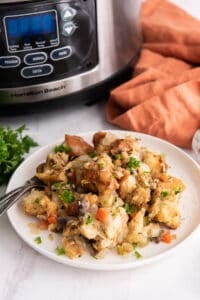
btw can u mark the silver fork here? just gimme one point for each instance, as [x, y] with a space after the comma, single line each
[10, 198]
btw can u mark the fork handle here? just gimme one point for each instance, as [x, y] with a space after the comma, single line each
[10, 194]
[9, 199]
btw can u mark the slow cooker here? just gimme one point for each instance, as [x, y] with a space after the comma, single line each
[62, 48]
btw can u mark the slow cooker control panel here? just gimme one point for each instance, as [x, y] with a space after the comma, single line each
[46, 41]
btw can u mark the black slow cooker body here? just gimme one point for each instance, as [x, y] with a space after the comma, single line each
[64, 49]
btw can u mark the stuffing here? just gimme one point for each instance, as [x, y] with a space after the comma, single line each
[102, 141]
[77, 146]
[114, 194]
[165, 199]
[53, 170]
[140, 196]
[139, 233]
[156, 163]
[127, 185]
[36, 203]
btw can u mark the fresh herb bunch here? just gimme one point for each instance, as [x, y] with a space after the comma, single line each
[13, 145]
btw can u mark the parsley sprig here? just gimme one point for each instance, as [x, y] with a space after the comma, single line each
[133, 163]
[137, 254]
[88, 220]
[164, 194]
[62, 148]
[67, 196]
[129, 208]
[60, 251]
[13, 146]
[38, 240]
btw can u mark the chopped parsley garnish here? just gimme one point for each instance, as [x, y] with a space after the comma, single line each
[101, 166]
[134, 245]
[37, 200]
[67, 196]
[129, 208]
[133, 163]
[164, 194]
[93, 154]
[105, 202]
[60, 251]
[177, 191]
[118, 156]
[115, 212]
[62, 148]
[58, 185]
[38, 240]
[88, 220]
[138, 255]
[13, 146]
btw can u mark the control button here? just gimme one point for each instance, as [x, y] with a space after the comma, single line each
[37, 71]
[26, 40]
[35, 58]
[40, 38]
[61, 53]
[68, 29]
[8, 62]
[68, 14]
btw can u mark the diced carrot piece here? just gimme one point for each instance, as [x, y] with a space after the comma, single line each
[164, 177]
[52, 219]
[167, 237]
[43, 224]
[133, 215]
[102, 214]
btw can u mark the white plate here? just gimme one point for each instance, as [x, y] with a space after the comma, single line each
[181, 166]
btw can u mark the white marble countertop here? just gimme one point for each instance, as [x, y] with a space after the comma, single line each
[27, 275]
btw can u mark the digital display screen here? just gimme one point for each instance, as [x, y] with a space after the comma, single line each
[25, 32]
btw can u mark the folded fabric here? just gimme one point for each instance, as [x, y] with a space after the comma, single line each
[163, 97]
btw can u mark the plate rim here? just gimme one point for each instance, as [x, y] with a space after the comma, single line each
[103, 266]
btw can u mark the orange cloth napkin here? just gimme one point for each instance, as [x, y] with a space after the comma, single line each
[163, 97]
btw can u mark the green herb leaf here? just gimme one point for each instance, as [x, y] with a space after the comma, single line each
[137, 254]
[37, 200]
[13, 147]
[118, 156]
[88, 220]
[38, 240]
[67, 196]
[129, 208]
[164, 194]
[93, 154]
[28, 143]
[21, 129]
[116, 212]
[60, 251]
[62, 148]
[101, 166]
[133, 163]
[58, 186]
[134, 245]
[177, 191]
